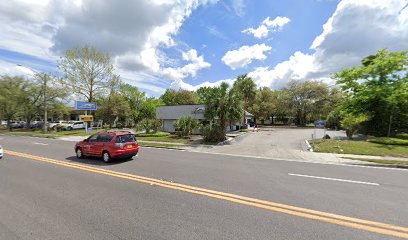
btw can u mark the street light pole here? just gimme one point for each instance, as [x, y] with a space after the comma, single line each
[45, 130]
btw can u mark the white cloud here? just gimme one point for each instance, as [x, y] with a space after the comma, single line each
[133, 32]
[12, 69]
[195, 64]
[245, 54]
[356, 29]
[266, 26]
[180, 84]
[239, 7]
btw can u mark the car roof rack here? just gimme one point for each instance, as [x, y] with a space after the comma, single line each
[120, 131]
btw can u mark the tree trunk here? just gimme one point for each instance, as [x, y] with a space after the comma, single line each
[349, 133]
[389, 126]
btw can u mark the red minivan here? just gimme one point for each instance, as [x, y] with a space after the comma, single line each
[108, 145]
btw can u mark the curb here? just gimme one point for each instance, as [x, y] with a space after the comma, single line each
[309, 147]
[225, 141]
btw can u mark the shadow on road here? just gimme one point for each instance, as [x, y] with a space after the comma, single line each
[96, 161]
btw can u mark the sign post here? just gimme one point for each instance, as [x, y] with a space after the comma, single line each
[86, 106]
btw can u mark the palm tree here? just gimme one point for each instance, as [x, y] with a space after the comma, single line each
[245, 86]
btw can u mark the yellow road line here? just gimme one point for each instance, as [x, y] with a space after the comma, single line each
[357, 223]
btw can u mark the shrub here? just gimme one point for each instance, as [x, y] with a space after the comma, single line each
[185, 125]
[402, 136]
[352, 123]
[59, 127]
[214, 134]
[150, 124]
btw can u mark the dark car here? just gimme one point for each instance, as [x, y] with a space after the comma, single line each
[108, 145]
[37, 125]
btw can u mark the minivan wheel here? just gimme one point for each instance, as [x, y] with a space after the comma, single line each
[106, 157]
[79, 153]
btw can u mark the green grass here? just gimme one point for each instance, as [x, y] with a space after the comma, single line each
[389, 141]
[382, 161]
[360, 147]
[50, 134]
[156, 134]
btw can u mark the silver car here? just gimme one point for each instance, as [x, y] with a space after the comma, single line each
[1, 152]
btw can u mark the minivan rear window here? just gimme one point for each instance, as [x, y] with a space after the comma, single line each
[125, 138]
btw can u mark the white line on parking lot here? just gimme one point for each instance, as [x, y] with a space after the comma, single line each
[38, 143]
[333, 179]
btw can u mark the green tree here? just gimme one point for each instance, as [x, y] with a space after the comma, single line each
[114, 110]
[136, 100]
[379, 89]
[264, 105]
[12, 97]
[308, 100]
[186, 125]
[222, 106]
[88, 72]
[181, 97]
[246, 87]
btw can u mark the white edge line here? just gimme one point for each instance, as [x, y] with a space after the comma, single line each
[296, 160]
[334, 179]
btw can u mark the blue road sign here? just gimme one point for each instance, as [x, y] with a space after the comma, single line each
[320, 122]
[85, 105]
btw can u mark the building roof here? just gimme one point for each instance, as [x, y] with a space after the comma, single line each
[248, 114]
[176, 112]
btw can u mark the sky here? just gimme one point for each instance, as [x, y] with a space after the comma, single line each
[187, 44]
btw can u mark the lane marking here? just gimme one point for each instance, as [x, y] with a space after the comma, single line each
[372, 226]
[297, 160]
[38, 143]
[334, 179]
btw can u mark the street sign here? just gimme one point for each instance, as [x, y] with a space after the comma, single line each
[320, 122]
[85, 105]
[86, 118]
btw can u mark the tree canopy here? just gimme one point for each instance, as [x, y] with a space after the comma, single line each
[180, 97]
[88, 73]
[378, 89]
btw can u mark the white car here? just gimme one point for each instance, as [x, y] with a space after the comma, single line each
[1, 152]
[74, 126]
[55, 123]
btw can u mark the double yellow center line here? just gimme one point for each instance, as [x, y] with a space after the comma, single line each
[372, 226]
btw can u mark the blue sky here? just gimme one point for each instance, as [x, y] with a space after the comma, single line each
[159, 44]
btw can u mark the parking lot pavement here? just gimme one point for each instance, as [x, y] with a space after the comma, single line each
[283, 143]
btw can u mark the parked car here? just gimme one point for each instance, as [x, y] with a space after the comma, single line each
[36, 125]
[53, 124]
[1, 152]
[18, 124]
[108, 145]
[74, 126]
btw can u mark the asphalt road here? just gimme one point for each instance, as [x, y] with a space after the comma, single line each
[41, 198]
[275, 142]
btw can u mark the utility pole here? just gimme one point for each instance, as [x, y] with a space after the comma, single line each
[45, 78]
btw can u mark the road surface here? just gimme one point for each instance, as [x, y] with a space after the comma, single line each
[46, 193]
